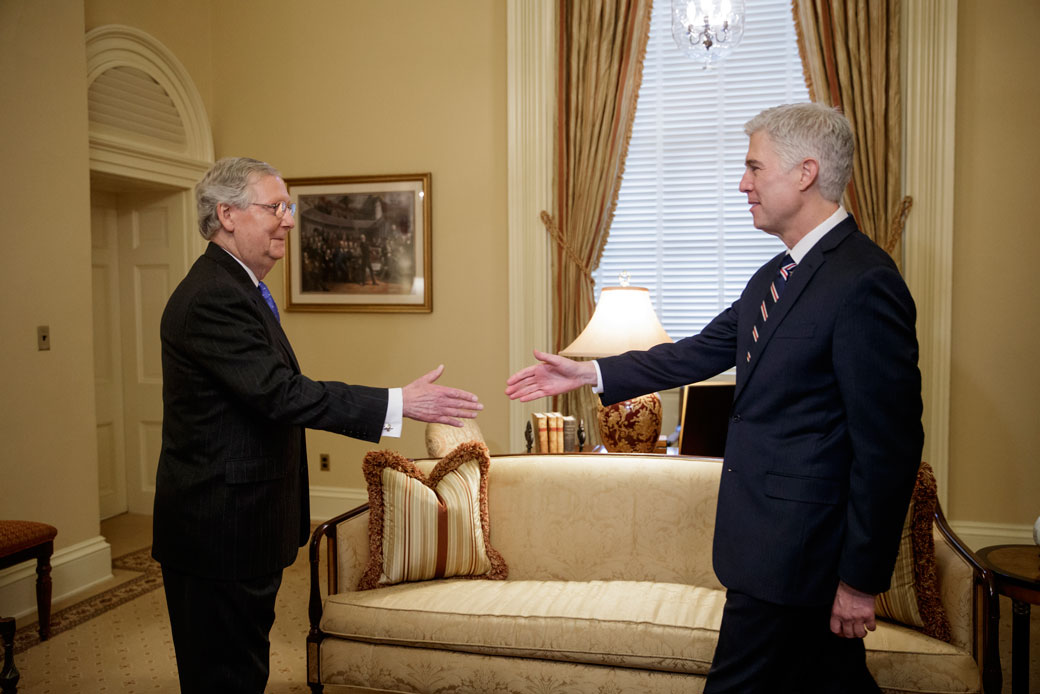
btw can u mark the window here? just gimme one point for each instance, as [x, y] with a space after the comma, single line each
[681, 228]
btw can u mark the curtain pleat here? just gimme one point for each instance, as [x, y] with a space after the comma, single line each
[601, 48]
[850, 54]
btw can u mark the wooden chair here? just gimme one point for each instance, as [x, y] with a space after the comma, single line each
[24, 540]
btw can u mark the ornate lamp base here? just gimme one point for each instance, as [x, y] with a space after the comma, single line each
[631, 426]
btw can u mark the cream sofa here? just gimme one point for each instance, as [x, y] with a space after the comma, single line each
[610, 589]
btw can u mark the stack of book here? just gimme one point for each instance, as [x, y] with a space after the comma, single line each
[554, 433]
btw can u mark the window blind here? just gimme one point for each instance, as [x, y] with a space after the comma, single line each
[681, 227]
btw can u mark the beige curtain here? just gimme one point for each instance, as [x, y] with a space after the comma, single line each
[850, 53]
[600, 66]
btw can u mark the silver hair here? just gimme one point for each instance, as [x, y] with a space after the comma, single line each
[810, 131]
[227, 182]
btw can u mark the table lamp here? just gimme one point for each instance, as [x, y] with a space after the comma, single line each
[624, 319]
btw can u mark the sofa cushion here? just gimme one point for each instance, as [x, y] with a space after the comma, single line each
[914, 597]
[657, 626]
[664, 627]
[422, 528]
[442, 439]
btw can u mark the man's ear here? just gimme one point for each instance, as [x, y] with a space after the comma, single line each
[225, 217]
[810, 171]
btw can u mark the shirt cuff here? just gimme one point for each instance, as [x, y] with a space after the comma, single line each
[598, 388]
[394, 413]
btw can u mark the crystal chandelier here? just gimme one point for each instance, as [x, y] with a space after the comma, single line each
[707, 30]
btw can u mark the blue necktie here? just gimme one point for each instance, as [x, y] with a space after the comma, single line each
[266, 293]
[787, 266]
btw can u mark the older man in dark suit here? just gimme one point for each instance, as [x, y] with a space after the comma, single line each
[231, 497]
[825, 432]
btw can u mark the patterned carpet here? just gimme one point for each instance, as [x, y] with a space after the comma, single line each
[150, 579]
[119, 640]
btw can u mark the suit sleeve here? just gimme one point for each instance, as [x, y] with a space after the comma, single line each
[875, 361]
[690, 360]
[225, 335]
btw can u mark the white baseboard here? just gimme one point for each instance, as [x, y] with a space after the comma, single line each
[329, 502]
[978, 535]
[73, 569]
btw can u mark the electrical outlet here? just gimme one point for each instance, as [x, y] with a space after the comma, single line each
[324, 458]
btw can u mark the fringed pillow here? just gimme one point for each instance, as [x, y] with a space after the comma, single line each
[913, 598]
[424, 528]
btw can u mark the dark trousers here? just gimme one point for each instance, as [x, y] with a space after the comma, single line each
[221, 631]
[778, 649]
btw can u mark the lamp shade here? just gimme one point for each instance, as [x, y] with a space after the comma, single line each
[624, 319]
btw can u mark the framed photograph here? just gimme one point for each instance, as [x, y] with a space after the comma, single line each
[361, 243]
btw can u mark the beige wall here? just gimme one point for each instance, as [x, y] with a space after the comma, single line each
[995, 373]
[48, 453]
[335, 89]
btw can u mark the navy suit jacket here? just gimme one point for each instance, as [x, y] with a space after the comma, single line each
[825, 432]
[231, 492]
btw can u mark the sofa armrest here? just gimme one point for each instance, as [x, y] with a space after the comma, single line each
[973, 615]
[329, 531]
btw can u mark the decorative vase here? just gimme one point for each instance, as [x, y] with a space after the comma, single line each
[632, 426]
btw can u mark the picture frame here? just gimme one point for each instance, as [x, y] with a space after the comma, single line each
[341, 221]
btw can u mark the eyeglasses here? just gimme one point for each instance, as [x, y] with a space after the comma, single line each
[279, 208]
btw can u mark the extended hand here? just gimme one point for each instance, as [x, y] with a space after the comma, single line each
[554, 375]
[852, 615]
[426, 402]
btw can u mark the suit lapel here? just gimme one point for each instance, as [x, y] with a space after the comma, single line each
[799, 280]
[274, 329]
[271, 324]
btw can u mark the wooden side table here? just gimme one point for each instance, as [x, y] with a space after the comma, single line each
[1016, 574]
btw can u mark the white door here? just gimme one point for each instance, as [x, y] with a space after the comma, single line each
[108, 360]
[149, 250]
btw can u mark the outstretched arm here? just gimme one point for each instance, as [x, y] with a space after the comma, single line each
[552, 376]
[424, 401]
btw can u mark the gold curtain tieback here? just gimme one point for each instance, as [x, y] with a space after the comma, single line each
[561, 242]
[895, 232]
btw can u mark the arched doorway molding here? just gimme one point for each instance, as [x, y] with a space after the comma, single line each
[119, 153]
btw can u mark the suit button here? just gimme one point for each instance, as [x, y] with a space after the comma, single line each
[736, 418]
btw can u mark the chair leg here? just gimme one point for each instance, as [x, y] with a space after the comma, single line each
[9, 675]
[43, 590]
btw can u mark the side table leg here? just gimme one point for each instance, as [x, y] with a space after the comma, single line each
[1019, 647]
[992, 677]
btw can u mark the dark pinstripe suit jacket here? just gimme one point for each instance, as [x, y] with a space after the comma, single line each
[231, 493]
[825, 432]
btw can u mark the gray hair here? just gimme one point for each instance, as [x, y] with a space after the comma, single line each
[810, 131]
[227, 182]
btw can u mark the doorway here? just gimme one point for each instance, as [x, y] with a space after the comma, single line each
[138, 232]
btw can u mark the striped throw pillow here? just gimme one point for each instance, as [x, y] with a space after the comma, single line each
[913, 597]
[425, 528]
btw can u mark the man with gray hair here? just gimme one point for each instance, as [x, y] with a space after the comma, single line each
[825, 435]
[231, 492]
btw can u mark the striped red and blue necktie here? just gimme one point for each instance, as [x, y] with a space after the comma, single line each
[776, 289]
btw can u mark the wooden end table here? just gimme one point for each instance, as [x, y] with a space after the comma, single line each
[1016, 573]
